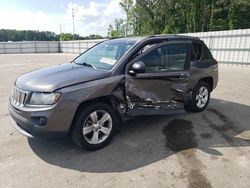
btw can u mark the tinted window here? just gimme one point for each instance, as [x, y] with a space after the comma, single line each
[197, 51]
[168, 57]
[206, 54]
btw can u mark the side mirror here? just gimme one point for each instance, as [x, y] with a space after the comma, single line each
[137, 67]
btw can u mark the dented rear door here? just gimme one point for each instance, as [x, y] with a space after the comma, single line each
[162, 88]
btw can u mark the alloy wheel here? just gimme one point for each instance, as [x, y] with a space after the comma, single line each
[97, 127]
[202, 97]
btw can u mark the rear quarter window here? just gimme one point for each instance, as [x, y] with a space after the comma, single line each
[206, 53]
[201, 52]
[197, 51]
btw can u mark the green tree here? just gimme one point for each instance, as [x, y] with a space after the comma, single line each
[30, 35]
[239, 14]
[26, 35]
[67, 37]
[180, 16]
[128, 7]
[118, 30]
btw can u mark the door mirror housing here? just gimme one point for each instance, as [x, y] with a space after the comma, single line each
[138, 67]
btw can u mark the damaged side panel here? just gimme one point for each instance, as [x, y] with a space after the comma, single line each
[155, 95]
[119, 98]
[112, 88]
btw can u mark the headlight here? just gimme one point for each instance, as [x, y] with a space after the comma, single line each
[43, 98]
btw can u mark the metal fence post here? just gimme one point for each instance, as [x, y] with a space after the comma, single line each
[79, 50]
[59, 46]
[20, 44]
[226, 52]
[67, 46]
[48, 47]
[4, 47]
[210, 41]
[244, 48]
[248, 59]
[234, 48]
[35, 47]
[239, 48]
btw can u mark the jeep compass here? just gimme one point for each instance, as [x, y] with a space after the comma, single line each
[110, 82]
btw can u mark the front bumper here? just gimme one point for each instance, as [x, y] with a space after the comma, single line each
[57, 125]
[19, 129]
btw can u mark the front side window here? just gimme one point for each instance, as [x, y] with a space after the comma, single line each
[104, 55]
[170, 57]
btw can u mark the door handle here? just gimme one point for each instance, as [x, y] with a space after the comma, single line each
[183, 76]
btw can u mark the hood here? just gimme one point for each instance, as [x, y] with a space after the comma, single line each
[53, 78]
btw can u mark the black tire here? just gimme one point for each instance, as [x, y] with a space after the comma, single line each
[191, 105]
[79, 122]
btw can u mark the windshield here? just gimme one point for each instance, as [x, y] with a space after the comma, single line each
[104, 55]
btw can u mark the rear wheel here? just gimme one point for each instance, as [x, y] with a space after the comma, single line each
[199, 99]
[94, 126]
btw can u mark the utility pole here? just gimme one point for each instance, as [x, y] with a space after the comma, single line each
[73, 18]
[126, 27]
[60, 29]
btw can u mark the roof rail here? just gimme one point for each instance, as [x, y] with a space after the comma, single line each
[173, 35]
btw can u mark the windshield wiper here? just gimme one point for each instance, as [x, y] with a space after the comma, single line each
[88, 65]
[85, 64]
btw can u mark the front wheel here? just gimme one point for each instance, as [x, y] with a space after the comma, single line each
[94, 126]
[199, 99]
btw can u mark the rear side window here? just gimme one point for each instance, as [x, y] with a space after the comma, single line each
[206, 53]
[170, 57]
[175, 56]
[197, 51]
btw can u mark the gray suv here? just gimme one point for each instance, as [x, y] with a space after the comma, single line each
[110, 82]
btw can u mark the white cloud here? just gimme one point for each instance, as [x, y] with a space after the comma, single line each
[113, 8]
[81, 11]
[26, 19]
[95, 17]
[91, 19]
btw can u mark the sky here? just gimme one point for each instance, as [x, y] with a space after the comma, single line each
[91, 16]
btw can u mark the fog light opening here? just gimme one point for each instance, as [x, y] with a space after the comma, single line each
[39, 121]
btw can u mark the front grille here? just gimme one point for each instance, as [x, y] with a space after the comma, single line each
[18, 97]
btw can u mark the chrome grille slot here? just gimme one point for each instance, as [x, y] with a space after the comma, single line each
[18, 97]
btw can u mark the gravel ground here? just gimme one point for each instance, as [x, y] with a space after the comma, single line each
[208, 149]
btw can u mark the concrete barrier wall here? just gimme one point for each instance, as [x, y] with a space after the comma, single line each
[29, 47]
[231, 47]
[78, 46]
